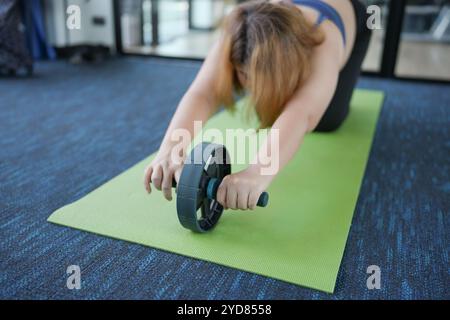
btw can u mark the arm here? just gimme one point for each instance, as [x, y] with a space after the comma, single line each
[300, 116]
[198, 104]
[304, 111]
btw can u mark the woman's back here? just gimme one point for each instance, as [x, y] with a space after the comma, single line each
[346, 12]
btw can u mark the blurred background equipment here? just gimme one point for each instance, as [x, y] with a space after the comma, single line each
[14, 53]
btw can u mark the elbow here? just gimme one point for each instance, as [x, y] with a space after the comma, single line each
[312, 121]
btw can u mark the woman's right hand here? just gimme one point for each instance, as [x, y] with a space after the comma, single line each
[160, 172]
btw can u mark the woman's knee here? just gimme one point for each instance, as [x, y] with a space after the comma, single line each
[328, 127]
[332, 121]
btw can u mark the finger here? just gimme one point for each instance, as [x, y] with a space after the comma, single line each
[157, 177]
[253, 200]
[242, 200]
[231, 199]
[148, 178]
[167, 183]
[177, 175]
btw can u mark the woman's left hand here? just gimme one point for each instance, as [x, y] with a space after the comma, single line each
[241, 190]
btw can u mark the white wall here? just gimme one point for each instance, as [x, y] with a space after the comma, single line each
[89, 34]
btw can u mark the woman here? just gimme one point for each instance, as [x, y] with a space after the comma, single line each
[299, 62]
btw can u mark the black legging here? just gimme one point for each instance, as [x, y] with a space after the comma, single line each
[339, 107]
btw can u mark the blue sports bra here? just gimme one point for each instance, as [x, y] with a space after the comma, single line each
[326, 12]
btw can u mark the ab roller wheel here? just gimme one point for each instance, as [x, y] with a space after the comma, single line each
[200, 178]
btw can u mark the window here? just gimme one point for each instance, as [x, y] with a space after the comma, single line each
[425, 41]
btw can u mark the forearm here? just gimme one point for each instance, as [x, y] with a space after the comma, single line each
[300, 116]
[282, 143]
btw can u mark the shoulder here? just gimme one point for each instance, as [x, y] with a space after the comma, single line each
[331, 50]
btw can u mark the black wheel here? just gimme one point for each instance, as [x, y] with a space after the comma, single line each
[195, 211]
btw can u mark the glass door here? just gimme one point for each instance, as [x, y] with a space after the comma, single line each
[424, 50]
[373, 60]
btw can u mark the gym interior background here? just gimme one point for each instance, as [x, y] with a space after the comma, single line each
[60, 140]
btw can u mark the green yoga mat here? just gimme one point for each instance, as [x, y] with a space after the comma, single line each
[299, 238]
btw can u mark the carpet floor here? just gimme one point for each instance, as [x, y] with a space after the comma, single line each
[69, 129]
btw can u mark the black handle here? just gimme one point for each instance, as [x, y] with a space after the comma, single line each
[213, 185]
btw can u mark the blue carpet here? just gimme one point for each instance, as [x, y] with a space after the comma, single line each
[70, 129]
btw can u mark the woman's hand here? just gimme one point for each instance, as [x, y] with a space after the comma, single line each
[161, 171]
[241, 190]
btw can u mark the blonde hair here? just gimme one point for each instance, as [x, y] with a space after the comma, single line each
[273, 42]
